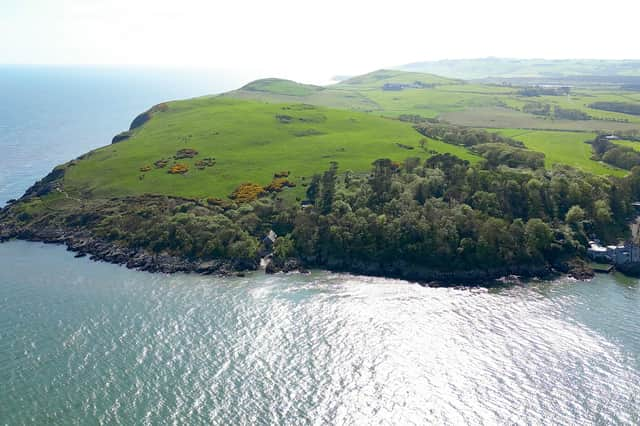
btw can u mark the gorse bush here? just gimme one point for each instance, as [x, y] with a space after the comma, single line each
[247, 192]
[178, 168]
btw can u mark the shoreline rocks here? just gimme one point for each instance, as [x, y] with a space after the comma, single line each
[83, 245]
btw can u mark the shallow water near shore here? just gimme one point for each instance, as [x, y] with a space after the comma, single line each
[86, 342]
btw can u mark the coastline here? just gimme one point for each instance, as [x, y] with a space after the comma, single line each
[83, 244]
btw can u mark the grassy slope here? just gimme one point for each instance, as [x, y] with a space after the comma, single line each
[249, 144]
[499, 117]
[475, 105]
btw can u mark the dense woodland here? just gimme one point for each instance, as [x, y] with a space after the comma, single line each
[447, 214]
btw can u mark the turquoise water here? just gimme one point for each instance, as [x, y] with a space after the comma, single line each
[93, 343]
[87, 343]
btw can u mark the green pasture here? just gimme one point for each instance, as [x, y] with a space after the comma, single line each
[563, 148]
[249, 143]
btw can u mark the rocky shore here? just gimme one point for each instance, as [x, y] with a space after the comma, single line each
[472, 278]
[84, 244]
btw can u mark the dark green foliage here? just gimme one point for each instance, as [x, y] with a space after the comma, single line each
[543, 91]
[415, 118]
[380, 180]
[411, 163]
[570, 114]
[623, 107]
[463, 136]
[537, 108]
[186, 232]
[492, 217]
[620, 156]
[283, 248]
[499, 154]
[623, 157]
[314, 188]
[328, 188]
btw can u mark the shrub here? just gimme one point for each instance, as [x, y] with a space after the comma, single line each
[219, 202]
[205, 162]
[247, 192]
[185, 153]
[278, 184]
[179, 168]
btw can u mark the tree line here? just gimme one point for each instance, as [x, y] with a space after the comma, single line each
[620, 156]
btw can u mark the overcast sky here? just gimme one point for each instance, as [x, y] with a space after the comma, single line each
[311, 40]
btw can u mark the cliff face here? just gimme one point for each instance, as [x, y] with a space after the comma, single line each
[142, 118]
[139, 121]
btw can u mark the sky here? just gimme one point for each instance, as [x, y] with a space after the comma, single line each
[311, 40]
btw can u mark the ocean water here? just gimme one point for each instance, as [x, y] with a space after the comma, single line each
[92, 343]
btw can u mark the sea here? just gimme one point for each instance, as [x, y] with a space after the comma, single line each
[85, 342]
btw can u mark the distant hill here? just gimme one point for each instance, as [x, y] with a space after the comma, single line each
[482, 68]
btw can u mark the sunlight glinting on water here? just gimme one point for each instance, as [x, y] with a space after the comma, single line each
[322, 348]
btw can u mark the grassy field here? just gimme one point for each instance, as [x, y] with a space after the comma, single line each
[631, 144]
[463, 103]
[499, 117]
[563, 148]
[250, 141]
